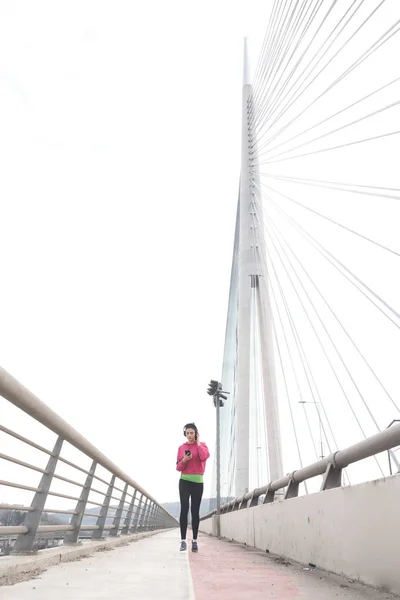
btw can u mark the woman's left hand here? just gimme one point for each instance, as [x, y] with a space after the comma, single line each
[198, 439]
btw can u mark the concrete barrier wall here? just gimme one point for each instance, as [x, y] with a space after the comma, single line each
[352, 531]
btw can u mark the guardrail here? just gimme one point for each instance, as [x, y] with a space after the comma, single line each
[330, 467]
[137, 510]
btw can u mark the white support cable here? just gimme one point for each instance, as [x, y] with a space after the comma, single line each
[261, 115]
[296, 335]
[264, 270]
[332, 312]
[297, 225]
[291, 360]
[327, 333]
[341, 268]
[338, 354]
[302, 355]
[262, 99]
[282, 52]
[271, 51]
[330, 148]
[341, 225]
[383, 39]
[308, 65]
[310, 378]
[336, 349]
[290, 320]
[266, 44]
[268, 82]
[288, 397]
[326, 119]
[352, 188]
[331, 132]
[326, 356]
[297, 92]
[293, 70]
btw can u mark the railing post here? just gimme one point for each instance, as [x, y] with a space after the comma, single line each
[153, 517]
[149, 515]
[128, 517]
[117, 518]
[101, 520]
[138, 512]
[145, 520]
[165, 520]
[332, 478]
[142, 523]
[72, 537]
[253, 501]
[24, 543]
[158, 518]
[269, 496]
[292, 490]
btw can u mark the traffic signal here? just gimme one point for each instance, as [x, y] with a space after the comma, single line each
[213, 387]
[215, 390]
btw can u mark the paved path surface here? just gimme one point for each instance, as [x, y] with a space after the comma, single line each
[153, 568]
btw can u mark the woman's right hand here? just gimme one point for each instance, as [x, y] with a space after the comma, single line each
[187, 457]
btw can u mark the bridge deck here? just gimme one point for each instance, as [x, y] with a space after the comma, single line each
[153, 568]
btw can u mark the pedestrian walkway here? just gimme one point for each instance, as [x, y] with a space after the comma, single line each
[153, 568]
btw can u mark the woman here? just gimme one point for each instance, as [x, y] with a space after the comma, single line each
[191, 462]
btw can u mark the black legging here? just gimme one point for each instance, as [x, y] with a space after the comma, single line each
[190, 489]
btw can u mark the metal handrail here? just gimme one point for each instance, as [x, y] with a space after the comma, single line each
[21, 463]
[331, 467]
[21, 397]
[22, 438]
[144, 511]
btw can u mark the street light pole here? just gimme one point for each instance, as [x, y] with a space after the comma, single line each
[215, 390]
[217, 401]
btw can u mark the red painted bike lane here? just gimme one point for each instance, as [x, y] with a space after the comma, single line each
[228, 571]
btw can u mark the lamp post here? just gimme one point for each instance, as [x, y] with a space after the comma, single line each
[215, 390]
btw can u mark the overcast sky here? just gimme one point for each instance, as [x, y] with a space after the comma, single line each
[120, 127]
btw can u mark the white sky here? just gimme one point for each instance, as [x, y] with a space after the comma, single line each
[120, 128]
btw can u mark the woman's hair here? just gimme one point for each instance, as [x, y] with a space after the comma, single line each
[189, 426]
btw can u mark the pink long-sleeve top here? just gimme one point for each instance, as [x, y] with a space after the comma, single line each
[197, 465]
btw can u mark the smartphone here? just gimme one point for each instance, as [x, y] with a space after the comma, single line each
[187, 452]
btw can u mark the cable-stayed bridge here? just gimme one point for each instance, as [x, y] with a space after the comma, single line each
[310, 432]
[313, 321]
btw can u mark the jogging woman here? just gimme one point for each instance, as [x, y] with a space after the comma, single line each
[191, 462]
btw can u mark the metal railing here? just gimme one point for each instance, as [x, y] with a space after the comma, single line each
[330, 467]
[136, 511]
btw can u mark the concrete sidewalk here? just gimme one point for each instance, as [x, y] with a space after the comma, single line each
[153, 568]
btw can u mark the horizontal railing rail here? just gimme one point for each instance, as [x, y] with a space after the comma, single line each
[330, 467]
[136, 509]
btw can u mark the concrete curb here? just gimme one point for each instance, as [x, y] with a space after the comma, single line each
[14, 568]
